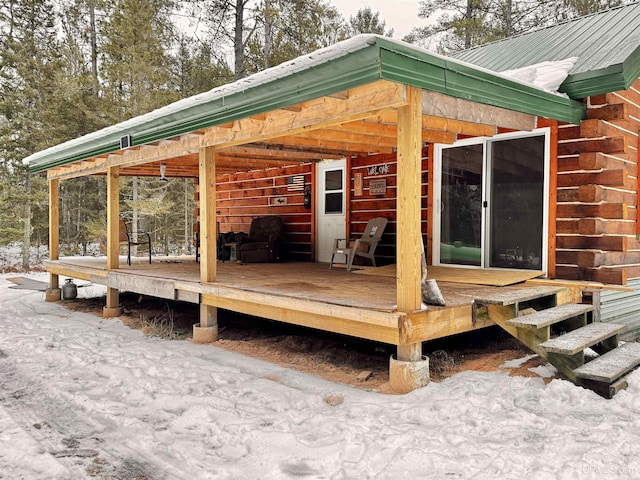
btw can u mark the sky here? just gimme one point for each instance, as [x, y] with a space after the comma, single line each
[82, 397]
[401, 15]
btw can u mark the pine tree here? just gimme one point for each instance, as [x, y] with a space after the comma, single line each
[29, 70]
[365, 21]
[135, 63]
[296, 27]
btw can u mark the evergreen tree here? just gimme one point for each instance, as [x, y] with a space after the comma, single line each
[296, 27]
[196, 68]
[365, 21]
[135, 63]
[29, 69]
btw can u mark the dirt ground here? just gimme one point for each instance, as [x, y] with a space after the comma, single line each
[360, 363]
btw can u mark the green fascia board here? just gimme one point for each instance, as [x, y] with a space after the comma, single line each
[352, 70]
[595, 82]
[461, 80]
[613, 78]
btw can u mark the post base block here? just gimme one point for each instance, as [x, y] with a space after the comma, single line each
[53, 294]
[111, 312]
[405, 377]
[204, 334]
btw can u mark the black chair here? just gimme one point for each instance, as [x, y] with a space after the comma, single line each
[264, 242]
[126, 237]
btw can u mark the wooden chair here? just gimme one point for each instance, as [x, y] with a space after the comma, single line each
[126, 237]
[364, 246]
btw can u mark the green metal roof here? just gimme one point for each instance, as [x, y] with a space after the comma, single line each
[607, 45]
[358, 61]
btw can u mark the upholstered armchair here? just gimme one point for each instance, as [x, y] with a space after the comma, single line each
[264, 242]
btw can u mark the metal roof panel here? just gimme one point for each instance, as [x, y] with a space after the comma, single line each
[601, 41]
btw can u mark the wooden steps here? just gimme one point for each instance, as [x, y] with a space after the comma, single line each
[551, 316]
[604, 374]
[576, 331]
[581, 338]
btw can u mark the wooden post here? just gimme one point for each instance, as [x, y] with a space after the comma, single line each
[409, 240]
[407, 372]
[207, 330]
[113, 308]
[53, 293]
[208, 220]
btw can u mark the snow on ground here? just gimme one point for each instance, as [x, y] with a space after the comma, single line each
[85, 397]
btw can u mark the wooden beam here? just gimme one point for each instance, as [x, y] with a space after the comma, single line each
[267, 151]
[409, 242]
[208, 220]
[432, 122]
[357, 146]
[162, 150]
[440, 105]
[363, 102]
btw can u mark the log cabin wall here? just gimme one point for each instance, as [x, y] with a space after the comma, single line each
[243, 196]
[367, 205]
[597, 210]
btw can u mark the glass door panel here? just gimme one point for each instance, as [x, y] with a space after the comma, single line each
[516, 203]
[461, 208]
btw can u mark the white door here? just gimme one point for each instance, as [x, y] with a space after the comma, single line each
[330, 206]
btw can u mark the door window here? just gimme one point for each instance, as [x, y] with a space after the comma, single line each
[334, 192]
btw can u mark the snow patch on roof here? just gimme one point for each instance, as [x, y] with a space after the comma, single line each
[547, 76]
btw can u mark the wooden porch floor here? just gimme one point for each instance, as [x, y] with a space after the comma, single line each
[301, 293]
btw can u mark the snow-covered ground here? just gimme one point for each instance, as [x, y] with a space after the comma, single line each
[84, 397]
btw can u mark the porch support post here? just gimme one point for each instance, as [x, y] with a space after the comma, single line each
[410, 370]
[53, 293]
[113, 308]
[207, 330]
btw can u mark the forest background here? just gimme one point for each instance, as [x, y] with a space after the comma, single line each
[71, 67]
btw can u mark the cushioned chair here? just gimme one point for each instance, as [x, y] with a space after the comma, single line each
[364, 246]
[264, 242]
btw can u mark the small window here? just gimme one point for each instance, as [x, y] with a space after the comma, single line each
[334, 192]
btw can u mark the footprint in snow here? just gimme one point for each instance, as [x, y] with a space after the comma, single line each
[299, 468]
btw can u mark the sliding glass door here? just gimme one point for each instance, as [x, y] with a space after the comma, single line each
[492, 196]
[461, 205]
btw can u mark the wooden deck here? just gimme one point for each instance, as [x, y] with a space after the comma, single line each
[307, 294]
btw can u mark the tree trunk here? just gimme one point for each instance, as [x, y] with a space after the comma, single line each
[267, 32]
[26, 239]
[94, 44]
[238, 45]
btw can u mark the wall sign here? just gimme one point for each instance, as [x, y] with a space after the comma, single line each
[383, 169]
[378, 187]
[357, 184]
[295, 183]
